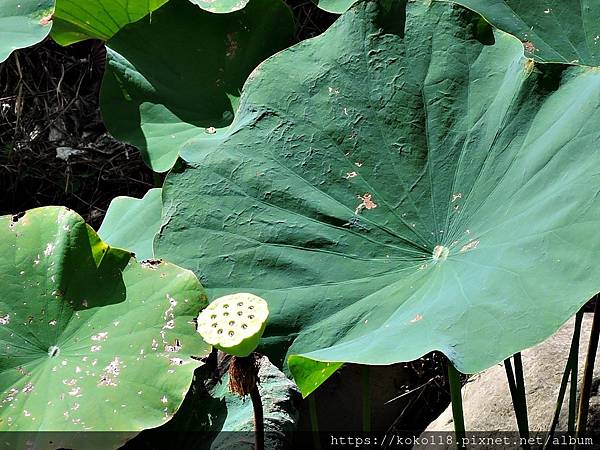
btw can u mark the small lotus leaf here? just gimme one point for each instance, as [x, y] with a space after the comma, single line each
[132, 223]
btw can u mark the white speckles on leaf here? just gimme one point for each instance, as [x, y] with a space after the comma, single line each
[75, 392]
[470, 246]
[350, 175]
[49, 249]
[110, 373]
[10, 395]
[95, 348]
[171, 348]
[5, 320]
[100, 336]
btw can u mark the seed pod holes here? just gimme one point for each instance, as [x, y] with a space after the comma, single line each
[237, 337]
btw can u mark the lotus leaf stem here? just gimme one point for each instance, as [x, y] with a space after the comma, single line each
[588, 374]
[572, 362]
[457, 406]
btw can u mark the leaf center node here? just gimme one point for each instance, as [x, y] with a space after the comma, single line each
[53, 351]
[440, 253]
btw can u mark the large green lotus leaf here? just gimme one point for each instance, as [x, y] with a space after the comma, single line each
[77, 20]
[394, 192]
[565, 31]
[178, 75]
[132, 223]
[221, 6]
[90, 339]
[23, 23]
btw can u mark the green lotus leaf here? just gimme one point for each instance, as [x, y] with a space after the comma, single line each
[565, 31]
[334, 6]
[131, 223]
[90, 339]
[23, 23]
[221, 6]
[178, 75]
[393, 192]
[76, 20]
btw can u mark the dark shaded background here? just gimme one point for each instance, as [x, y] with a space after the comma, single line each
[49, 108]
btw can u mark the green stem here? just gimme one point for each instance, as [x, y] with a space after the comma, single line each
[157, 180]
[516, 385]
[366, 399]
[520, 379]
[572, 361]
[259, 423]
[457, 407]
[314, 420]
[510, 377]
[574, 372]
[588, 374]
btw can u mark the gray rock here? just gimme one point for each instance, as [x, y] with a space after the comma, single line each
[212, 418]
[280, 398]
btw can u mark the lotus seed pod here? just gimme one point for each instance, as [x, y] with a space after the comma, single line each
[234, 323]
